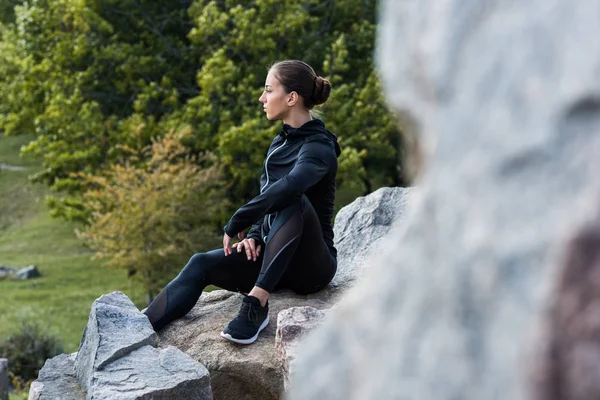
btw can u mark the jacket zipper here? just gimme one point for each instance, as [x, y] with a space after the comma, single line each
[266, 165]
[267, 173]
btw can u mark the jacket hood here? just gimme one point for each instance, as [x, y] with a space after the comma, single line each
[312, 127]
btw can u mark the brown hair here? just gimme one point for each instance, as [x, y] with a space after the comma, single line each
[297, 76]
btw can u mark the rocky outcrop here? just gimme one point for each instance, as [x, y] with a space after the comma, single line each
[505, 95]
[259, 371]
[118, 359]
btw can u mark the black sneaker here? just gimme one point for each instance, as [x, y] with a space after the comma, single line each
[251, 319]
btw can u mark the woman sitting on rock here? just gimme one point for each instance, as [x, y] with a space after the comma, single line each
[290, 244]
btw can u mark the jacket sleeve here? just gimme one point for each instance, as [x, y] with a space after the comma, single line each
[315, 159]
[255, 232]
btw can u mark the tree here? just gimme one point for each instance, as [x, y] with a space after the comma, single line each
[237, 41]
[148, 218]
[91, 78]
[74, 72]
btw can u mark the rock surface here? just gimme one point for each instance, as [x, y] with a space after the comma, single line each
[115, 328]
[361, 226]
[506, 98]
[293, 325]
[118, 360]
[57, 380]
[28, 273]
[3, 379]
[236, 371]
[150, 373]
[256, 372]
[6, 271]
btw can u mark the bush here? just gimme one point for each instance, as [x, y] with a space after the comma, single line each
[148, 219]
[28, 350]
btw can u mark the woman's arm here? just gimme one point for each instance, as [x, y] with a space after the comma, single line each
[315, 159]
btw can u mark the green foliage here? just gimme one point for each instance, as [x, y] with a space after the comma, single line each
[148, 218]
[28, 349]
[237, 41]
[17, 198]
[20, 393]
[92, 78]
[371, 157]
[73, 72]
[7, 12]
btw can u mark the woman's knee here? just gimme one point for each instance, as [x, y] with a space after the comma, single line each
[196, 260]
[194, 268]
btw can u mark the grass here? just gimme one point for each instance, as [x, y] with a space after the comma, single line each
[20, 395]
[70, 281]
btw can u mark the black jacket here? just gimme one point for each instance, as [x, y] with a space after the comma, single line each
[299, 161]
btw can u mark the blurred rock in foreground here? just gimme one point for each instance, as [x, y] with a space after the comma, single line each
[506, 98]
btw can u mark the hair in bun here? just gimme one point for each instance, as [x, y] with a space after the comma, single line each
[297, 76]
[321, 90]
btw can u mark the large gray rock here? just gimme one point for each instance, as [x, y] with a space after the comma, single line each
[506, 98]
[260, 371]
[145, 373]
[118, 360]
[361, 226]
[57, 380]
[115, 328]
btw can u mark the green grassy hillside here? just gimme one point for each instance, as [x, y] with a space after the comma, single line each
[70, 281]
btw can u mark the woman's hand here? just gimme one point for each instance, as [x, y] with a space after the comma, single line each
[227, 244]
[252, 250]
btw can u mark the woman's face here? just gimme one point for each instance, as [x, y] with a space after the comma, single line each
[274, 98]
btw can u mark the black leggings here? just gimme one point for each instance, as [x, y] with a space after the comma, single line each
[296, 257]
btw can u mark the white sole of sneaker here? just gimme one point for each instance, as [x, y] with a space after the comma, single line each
[250, 340]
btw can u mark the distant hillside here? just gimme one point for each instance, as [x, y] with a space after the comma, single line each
[70, 280]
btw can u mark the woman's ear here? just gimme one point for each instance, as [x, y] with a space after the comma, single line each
[293, 99]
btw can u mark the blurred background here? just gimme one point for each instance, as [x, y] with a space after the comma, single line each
[130, 131]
